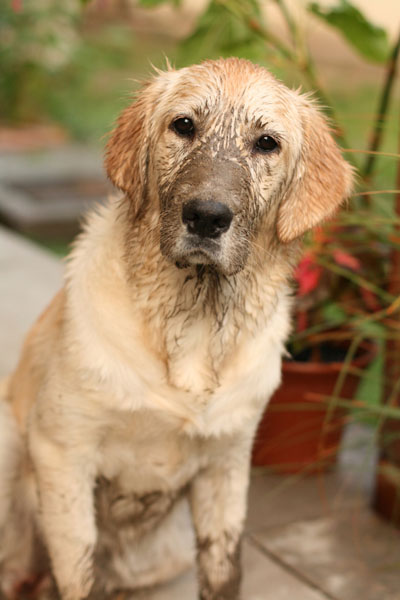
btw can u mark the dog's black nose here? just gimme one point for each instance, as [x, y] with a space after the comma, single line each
[206, 218]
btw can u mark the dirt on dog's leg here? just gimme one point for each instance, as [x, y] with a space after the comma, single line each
[65, 484]
[218, 499]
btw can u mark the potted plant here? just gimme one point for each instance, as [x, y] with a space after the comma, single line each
[329, 351]
[348, 286]
[386, 498]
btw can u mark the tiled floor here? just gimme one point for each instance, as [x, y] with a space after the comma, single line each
[311, 538]
[349, 555]
[307, 538]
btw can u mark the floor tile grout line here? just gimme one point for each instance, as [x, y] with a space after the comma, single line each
[291, 570]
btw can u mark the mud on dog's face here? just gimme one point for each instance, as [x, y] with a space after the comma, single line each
[225, 154]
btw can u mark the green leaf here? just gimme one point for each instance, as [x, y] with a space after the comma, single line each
[370, 41]
[370, 388]
[151, 3]
[334, 314]
[221, 31]
[370, 329]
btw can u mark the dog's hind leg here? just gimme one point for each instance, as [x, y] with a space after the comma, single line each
[18, 547]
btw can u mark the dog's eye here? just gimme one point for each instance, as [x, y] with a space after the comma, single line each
[183, 126]
[266, 144]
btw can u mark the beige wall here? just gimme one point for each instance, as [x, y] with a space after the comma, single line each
[382, 12]
[385, 13]
[328, 47]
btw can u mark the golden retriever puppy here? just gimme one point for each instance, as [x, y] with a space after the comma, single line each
[139, 390]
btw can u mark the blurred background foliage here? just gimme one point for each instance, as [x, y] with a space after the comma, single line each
[73, 62]
[59, 62]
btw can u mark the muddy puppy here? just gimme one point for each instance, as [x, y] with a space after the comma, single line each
[132, 412]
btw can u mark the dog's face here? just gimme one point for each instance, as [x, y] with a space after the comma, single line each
[222, 152]
[220, 161]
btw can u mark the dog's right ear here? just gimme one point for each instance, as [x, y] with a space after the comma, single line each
[127, 150]
[321, 182]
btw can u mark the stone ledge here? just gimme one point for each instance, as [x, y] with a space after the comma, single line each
[29, 277]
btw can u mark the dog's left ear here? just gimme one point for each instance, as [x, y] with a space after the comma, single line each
[127, 149]
[321, 181]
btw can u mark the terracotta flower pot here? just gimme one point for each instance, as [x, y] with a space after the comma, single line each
[299, 430]
[386, 499]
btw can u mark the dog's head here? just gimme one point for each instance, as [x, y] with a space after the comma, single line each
[219, 150]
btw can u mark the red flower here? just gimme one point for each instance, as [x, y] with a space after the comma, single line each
[371, 301]
[16, 5]
[344, 259]
[307, 274]
[301, 321]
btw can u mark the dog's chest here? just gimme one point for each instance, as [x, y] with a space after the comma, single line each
[192, 357]
[145, 467]
[197, 342]
[143, 452]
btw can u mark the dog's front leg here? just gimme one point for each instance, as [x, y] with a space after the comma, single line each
[218, 502]
[65, 478]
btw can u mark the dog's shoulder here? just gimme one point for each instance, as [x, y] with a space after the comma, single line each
[38, 348]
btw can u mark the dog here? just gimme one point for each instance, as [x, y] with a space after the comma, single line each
[127, 426]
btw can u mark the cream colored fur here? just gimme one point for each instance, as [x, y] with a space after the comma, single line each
[142, 384]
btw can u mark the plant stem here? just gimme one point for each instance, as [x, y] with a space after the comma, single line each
[384, 100]
[332, 406]
[308, 69]
[239, 10]
[391, 426]
[356, 279]
[380, 410]
[393, 346]
[292, 25]
[394, 274]
[303, 60]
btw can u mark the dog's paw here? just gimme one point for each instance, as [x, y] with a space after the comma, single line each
[77, 591]
[73, 572]
[35, 586]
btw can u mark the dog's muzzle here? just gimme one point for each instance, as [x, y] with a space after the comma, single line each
[206, 218]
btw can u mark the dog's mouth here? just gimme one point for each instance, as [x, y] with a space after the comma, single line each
[191, 250]
[198, 252]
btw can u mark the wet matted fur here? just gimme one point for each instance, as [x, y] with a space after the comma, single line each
[132, 411]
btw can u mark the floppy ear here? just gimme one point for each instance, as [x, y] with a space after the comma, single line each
[321, 181]
[127, 150]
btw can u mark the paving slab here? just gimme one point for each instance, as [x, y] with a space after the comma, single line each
[350, 555]
[63, 162]
[278, 500]
[263, 580]
[45, 193]
[29, 277]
